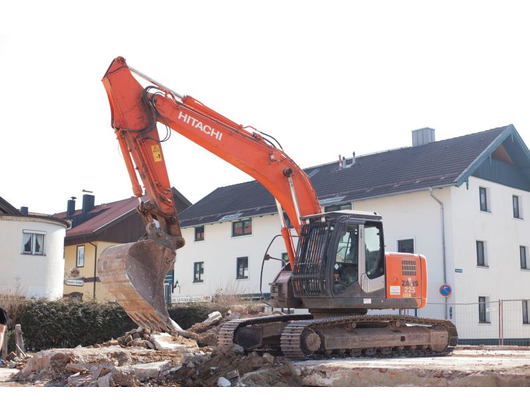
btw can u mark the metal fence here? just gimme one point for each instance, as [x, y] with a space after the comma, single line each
[501, 322]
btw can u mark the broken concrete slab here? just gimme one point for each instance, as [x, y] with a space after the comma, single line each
[165, 341]
[469, 367]
[108, 375]
[82, 367]
[146, 371]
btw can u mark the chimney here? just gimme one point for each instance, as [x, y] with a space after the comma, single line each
[70, 208]
[88, 203]
[24, 210]
[422, 136]
[346, 162]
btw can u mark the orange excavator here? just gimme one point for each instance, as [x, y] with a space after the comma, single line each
[338, 270]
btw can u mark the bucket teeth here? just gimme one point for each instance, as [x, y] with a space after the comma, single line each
[134, 274]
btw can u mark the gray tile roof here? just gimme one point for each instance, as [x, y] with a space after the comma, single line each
[380, 174]
[7, 208]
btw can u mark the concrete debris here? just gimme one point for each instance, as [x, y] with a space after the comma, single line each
[143, 359]
[229, 363]
[223, 382]
[12, 361]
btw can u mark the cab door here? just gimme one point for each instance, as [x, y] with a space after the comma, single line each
[372, 257]
[346, 263]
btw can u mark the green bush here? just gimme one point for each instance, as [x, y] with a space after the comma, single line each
[187, 315]
[70, 323]
[62, 323]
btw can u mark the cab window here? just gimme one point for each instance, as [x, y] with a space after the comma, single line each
[374, 250]
[345, 269]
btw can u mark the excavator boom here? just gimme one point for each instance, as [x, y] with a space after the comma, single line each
[340, 269]
[134, 273]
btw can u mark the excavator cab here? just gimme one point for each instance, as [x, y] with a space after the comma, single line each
[341, 266]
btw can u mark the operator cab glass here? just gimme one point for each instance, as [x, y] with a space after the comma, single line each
[374, 250]
[346, 266]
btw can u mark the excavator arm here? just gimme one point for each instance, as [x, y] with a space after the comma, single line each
[134, 273]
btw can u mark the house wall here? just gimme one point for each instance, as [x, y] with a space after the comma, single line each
[219, 252]
[405, 216]
[502, 278]
[31, 275]
[84, 282]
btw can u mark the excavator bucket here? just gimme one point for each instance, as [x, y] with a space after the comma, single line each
[134, 274]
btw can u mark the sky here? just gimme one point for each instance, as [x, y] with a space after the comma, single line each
[324, 78]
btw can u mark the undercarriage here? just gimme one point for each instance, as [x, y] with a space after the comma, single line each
[301, 337]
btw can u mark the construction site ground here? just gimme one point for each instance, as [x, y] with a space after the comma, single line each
[467, 366]
[141, 359]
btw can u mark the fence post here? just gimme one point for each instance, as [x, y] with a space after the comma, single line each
[501, 332]
[3, 350]
[19, 340]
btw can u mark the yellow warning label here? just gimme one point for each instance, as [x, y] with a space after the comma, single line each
[157, 154]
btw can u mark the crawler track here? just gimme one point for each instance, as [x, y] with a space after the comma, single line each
[226, 334]
[291, 337]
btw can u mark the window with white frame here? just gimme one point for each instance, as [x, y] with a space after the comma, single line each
[242, 227]
[526, 306]
[199, 233]
[80, 259]
[242, 268]
[482, 260]
[405, 245]
[523, 257]
[484, 199]
[483, 310]
[33, 242]
[198, 272]
[516, 205]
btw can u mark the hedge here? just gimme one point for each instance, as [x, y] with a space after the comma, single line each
[70, 323]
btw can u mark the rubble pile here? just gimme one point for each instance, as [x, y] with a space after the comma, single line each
[13, 361]
[147, 339]
[136, 338]
[224, 366]
[143, 358]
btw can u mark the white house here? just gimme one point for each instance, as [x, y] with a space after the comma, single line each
[461, 202]
[31, 253]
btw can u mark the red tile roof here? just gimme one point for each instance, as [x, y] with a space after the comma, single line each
[106, 214]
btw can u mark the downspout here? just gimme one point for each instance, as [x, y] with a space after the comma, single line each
[442, 217]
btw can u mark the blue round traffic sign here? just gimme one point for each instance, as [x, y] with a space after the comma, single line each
[446, 290]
